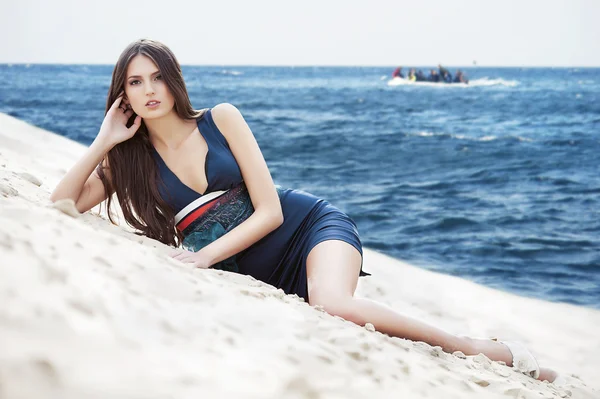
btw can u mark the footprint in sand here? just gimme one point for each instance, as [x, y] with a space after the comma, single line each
[325, 359]
[81, 307]
[6, 241]
[53, 274]
[30, 178]
[8, 191]
[45, 369]
[358, 356]
[479, 381]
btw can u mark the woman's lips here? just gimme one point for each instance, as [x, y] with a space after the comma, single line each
[153, 104]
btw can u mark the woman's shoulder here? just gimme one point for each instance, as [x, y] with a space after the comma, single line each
[227, 118]
[224, 112]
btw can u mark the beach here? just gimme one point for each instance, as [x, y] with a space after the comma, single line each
[90, 309]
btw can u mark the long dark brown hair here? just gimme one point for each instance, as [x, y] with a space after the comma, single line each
[133, 171]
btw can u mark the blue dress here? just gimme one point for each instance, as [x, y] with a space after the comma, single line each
[279, 258]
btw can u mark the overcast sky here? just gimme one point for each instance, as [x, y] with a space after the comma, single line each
[307, 32]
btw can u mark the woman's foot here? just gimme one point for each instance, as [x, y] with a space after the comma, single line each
[522, 360]
[513, 354]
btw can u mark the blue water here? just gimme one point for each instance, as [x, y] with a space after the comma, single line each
[497, 182]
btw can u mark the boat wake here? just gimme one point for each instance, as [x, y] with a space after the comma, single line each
[473, 83]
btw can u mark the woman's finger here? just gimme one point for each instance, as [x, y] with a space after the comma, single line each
[117, 101]
[182, 255]
[174, 252]
[136, 124]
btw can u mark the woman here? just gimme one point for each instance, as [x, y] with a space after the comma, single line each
[229, 214]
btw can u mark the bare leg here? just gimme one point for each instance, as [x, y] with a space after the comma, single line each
[332, 272]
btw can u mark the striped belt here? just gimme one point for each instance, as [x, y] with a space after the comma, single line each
[226, 208]
[197, 208]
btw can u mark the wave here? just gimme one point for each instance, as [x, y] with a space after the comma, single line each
[445, 225]
[558, 243]
[481, 82]
[427, 185]
[469, 138]
[493, 82]
[234, 73]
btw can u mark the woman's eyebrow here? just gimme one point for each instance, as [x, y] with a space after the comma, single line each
[138, 76]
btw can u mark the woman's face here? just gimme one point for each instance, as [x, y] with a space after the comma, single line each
[144, 83]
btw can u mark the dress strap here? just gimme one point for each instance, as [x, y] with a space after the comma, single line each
[211, 130]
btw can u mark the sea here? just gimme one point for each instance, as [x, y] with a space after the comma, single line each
[496, 181]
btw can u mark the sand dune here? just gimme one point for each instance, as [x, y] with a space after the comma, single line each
[90, 310]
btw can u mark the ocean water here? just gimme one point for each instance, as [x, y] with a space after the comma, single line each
[497, 182]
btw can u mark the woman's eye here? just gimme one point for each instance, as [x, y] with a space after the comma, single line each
[133, 82]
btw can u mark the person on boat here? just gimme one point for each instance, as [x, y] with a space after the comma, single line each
[446, 77]
[442, 71]
[460, 77]
[197, 179]
[433, 76]
[398, 73]
[421, 76]
[411, 75]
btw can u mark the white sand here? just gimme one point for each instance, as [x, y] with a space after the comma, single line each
[89, 310]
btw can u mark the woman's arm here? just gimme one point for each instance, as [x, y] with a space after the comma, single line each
[267, 214]
[87, 191]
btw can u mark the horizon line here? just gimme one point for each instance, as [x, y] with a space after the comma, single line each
[322, 65]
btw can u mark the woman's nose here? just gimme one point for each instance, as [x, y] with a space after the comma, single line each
[149, 89]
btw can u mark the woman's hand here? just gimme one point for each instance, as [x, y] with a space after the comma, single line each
[114, 128]
[197, 259]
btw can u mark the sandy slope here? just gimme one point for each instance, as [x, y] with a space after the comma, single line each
[89, 310]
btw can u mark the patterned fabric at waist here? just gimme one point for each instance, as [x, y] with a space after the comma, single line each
[227, 208]
[212, 216]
